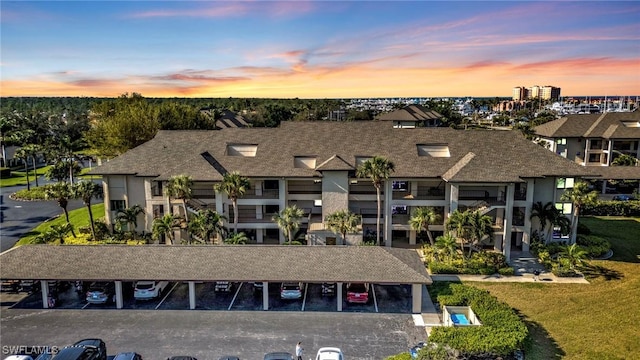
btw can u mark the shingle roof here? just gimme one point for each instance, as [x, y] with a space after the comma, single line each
[607, 125]
[335, 163]
[411, 113]
[230, 119]
[211, 263]
[614, 172]
[500, 156]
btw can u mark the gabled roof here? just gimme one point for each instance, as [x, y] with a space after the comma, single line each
[500, 156]
[411, 113]
[271, 263]
[608, 125]
[230, 119]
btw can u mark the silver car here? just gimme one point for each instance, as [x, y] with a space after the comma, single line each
[291, 291]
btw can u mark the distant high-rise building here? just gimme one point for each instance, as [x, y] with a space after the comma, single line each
[549, 93]
[546, 92]
[520, 93]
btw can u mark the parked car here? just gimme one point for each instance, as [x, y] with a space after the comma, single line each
[257, 286]
[18, 357]
[182, 358]
[95, 343]
[10, 285]
[29, 286]
[329, 353]
[328, 289]
[413, 351]
[358, 293]
[291, 291]
[623, 198]
[223, 286]
[128, 356]
[229, 358]
[278, 356]
[101, 293]
[78, 353]
[146, 290]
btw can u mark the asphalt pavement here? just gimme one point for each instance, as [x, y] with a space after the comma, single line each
[19, 217]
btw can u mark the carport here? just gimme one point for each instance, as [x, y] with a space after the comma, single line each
[237, 263]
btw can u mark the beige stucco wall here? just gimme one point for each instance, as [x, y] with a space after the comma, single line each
[335, 192]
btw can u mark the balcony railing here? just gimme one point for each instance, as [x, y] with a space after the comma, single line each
[266, 194]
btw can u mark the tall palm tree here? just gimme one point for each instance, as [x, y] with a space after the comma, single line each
[578, 196]
[421, 219]
[165, 226]
[61, 192]
[480, 226]
[32, 150]
[179, 187]
[234, 186]
[24, 156]
[447, 245]
[457, 222]
[129, 216]
[343, 222]
[624, 160]
[544, 214]
[87, 190]
[288, 220]
[377, 169]
[206, 223]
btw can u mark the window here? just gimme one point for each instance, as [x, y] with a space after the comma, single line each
[244, 150]
[433, 150]
[400, 185]
[561, 141]
[271, 185]
[564, 183]
[158, 211]
[564, 207]
[156, 188]
[117, 205]
[399, 210]
[594, 157]
[595, 144]
[271, 209]
[304, 162]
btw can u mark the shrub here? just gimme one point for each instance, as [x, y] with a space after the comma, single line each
[594, 245]
[401, 356]
[36, 193]
[506, 271]
[502, 331]
[436, 267]
[583, 229]
[612, 208]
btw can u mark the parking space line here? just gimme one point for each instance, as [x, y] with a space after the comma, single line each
[166, 296]
[375, 301]
[235, 296]
[85, 305]
[304, 299]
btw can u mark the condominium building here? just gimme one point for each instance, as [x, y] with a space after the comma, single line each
[546, 92]
[313, 165]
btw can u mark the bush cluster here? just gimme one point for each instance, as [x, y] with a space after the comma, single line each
[480, 263]
[594, 245]
[612, 208]
[502, 331]
[36, 193]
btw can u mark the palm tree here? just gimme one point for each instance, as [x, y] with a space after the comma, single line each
[288, 220]
[179, 187]
[129, 216]
[578, 196]
[32, 150]
[575, 255]
[87, 190]
[624, 160]
[206, 223]
[421, 219]
[480, 226]
[164, 226]
[457, 222]
[61, 192]
[234, 186]
[236, 239]
[60, 232]
[343, 222]
[544, 214]
[378, 170]
[24, 156]
[447, 245]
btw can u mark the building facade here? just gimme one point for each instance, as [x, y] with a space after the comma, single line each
[313, 165]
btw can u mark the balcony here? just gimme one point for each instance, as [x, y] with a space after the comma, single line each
[266, 194]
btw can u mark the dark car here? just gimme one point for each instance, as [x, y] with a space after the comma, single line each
[97, 344]
[101, 293]
[182, 358]
[278, 356]
[10, 285]
[229, 358]
[78, 353]
[128, 356]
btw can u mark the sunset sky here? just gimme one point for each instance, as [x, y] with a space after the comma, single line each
[329, 49]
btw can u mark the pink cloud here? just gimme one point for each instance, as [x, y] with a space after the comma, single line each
[233, 9]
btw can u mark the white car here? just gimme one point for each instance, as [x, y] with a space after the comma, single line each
[146, 290]
[329, 353]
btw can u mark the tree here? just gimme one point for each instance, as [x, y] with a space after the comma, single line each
[575, 255]
[288, 220]
[206, 223]
[128, 217]
[624, 160]
[377, 169]
[579, 196]
[60, 232]
[179, 187]
[447, 245]
[480, 226]
[32, 150]
[61, 192]
[343, 222]
[88, 190]
[421, 219]
[549, 215]
[234, 186]
[63, 170]
[164, 226]
[236, 239]
[23, 154]
[457, 222]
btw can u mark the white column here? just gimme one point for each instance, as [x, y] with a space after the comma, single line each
[526, 237]
[339, 295]
[265, 295]
[388, 194]
[118, 294]
[453, 198]
[258, 212]
[259, 236]
[258, 187]
[107, 200]
[610, 147]
[587, 145]
[44, 284]
[412, 237]
[508, 218]
[192, 295]
[282, 202]
[416, 298]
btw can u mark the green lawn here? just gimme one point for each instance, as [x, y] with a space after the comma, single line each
[600, 320]
[20, 177]
[84, 171]
[78, 217]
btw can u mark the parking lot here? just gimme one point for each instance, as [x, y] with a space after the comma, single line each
[242, 297]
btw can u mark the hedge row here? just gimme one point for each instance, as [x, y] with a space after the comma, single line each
[502, 331]
[5, 172]
[594, 245]
[612, 208]
[481, 263]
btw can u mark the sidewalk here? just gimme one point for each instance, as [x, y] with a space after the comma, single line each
[545, 277]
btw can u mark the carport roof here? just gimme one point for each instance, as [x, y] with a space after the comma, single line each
[271, 263]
